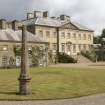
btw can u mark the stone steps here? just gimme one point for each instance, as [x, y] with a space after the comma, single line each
[82, 59]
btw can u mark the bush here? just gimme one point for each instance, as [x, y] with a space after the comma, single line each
[11, 62]
[90, 55]
[37, 56]
[64, 58]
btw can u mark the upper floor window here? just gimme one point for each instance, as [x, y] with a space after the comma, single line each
[89, 37]
[48, 34]
[80, 36]
[41, 33]
[63, 35]
[74, 35]
[84, 37]
[68, 35]
[54, 35]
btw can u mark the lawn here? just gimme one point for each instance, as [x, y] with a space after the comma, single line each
[53, 83]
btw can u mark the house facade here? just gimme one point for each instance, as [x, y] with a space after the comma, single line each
[73, 37]
[62, 34]
[10, 49]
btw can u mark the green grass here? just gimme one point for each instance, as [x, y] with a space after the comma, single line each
[53, 83]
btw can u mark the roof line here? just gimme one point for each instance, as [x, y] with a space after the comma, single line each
[78, 27]
[11, 41]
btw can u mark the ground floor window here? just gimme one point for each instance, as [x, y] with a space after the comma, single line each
[4, 48]
[68, 47]
[63, 47]
[79, 47]
[84, 47]
[4, 61]
[18, 61]
[89, 46]
[54, 46]
[74, 48]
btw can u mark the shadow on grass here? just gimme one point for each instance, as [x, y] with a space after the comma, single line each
[10, 93]
[42, 99]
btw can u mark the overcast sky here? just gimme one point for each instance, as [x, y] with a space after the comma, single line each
[90, 13]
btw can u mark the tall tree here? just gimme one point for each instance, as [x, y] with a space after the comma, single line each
[97, 40]
[103, 34]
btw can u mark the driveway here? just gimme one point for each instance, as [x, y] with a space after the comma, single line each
[89, 100]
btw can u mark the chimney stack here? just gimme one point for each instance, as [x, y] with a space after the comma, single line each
[15, 25]
[45, 14]
[30, 15]
[65, 18]
[38, 14]
[2, 24]
[35, 14]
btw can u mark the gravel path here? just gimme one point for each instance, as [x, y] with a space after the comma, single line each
[90, 100]
[99, 65]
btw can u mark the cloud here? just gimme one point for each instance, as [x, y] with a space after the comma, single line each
[87, 12]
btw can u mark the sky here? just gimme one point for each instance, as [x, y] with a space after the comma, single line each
[90, 13]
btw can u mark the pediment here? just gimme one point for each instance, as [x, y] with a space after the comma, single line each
[69, 26]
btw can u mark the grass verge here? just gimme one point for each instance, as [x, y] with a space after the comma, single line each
[53, 83]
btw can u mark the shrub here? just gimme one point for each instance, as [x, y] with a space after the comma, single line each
[64, 58]
[11, 62]
[37, 55]
[91, 55]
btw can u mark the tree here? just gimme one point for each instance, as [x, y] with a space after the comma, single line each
[103, 34]
[17, 50]
[102, 49]
[97, 40]
[37, 55]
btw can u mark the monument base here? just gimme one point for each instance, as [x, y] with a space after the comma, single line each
[24, 86]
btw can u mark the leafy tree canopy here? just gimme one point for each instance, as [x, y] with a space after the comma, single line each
[98, 39]
[103, 34]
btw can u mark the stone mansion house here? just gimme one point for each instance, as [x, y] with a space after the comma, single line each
[73, 37]
[61, 33]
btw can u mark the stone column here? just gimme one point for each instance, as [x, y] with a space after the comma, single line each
[24, 78]
[57, 52]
